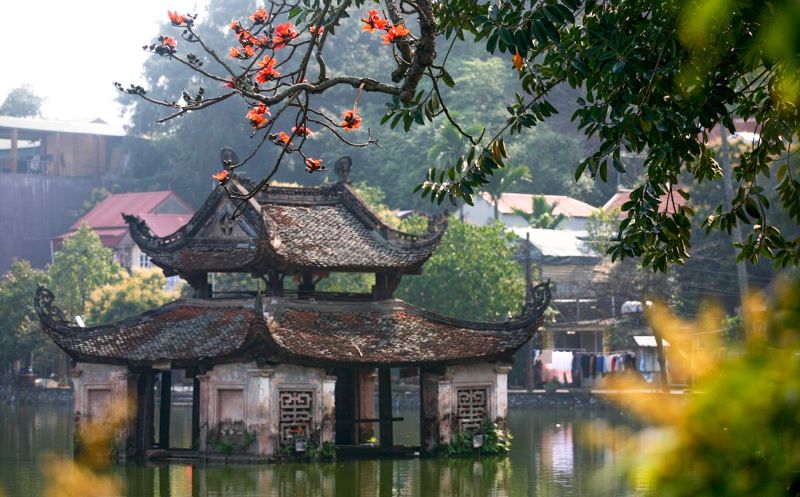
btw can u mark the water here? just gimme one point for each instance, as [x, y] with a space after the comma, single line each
[548, 459]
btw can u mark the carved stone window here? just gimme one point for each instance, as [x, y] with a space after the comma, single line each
[296, 414]
[471, 409]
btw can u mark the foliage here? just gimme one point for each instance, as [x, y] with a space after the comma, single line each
[82, 265]
[653, 89]
[20, 334]
[472, 275]
[541, 215]
[602, 228]
[21, 102]
[128, 296]
[737, 437]
[95, 197]
[504, 180]
[656, 87]
[228, 438]
[328, 452]
[87, 474]
[496, 442]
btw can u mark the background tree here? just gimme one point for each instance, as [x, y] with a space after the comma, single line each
[20, 334]
[541, 215]
[82, 265]
[128, 296]
[472, 275]
[21, 102]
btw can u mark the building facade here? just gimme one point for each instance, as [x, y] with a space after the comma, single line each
[289, 368]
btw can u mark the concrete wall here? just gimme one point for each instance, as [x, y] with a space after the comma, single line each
[35, 208]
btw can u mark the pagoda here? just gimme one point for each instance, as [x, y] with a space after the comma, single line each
[289, 367]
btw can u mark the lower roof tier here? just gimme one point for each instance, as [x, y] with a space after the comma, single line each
[194, 332]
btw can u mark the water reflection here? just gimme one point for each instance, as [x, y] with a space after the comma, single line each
[549, 458]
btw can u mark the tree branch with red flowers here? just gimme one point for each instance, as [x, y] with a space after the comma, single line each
[278, 68]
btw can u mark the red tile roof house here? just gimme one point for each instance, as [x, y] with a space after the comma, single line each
[482, 213]
[164, 211]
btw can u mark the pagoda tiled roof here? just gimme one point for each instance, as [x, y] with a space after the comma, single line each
[196, 332]
[322, 228]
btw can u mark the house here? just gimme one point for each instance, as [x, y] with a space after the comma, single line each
[60, 148]
[293, 368]
[483, 212]
[667, 203]
[164, 211]
[577, 273]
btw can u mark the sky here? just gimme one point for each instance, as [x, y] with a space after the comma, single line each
[71, 51]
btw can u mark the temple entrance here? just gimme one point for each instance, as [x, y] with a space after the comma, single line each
[356, 407]
[166, 400]
[367, 403]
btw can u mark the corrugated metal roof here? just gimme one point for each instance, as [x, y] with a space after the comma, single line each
[86, 128]
[524, 202]
[558, 243]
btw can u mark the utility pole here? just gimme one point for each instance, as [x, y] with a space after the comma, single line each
[727, 178]
[530, 378]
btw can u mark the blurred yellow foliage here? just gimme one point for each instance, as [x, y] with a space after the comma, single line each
[66, 478]
[84, 477]
[738, 432]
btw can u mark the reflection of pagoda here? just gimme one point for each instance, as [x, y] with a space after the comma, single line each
[291, 364]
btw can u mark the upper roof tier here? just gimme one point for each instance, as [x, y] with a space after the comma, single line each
[323, 228]
[205, 332]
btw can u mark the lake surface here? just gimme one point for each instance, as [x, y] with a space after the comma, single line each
[549, 459]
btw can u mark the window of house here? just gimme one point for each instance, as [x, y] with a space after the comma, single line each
[144, 261]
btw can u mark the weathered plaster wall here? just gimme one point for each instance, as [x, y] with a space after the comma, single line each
[245, 395]
[98, 388]
[439, 404]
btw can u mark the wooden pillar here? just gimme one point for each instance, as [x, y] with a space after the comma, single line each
[428, 409]
[385, 285]
[306, 287]
[195, 413]
[385, 406]
[199, 283]
[165, 409]
[145, 402]
[366, 382]
[14, 150]
[530, 380]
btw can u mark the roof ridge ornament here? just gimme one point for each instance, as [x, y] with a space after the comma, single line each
[43, 304]
[342, 168]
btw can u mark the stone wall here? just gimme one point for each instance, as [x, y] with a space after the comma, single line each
[10, 394]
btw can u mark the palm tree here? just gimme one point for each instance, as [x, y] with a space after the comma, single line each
[503, 180]
[541, 215]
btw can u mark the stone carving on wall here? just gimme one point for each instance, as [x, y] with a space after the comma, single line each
[471, 409]
[296, 414]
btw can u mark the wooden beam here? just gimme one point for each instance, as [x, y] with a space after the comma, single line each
[165, 409]
[385, 407]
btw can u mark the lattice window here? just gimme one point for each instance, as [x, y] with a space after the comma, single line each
[296, 414]
[470, 409]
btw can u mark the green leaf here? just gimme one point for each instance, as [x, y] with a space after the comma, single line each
[447, 79]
